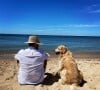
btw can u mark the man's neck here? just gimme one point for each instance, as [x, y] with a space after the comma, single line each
[34, 47]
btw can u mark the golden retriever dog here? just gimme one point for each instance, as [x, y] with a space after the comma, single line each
[68, 69]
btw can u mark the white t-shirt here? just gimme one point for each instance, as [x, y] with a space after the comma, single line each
[31, 70]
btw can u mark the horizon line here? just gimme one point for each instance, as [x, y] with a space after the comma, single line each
[48, 35]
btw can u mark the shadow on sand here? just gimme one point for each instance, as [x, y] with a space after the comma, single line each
[50, 79]
[83, 82]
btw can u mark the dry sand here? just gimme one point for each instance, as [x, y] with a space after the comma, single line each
[89, 67]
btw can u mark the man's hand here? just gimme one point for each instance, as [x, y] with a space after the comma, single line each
[48, 54]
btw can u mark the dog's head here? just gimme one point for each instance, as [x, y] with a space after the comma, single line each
[61, 49]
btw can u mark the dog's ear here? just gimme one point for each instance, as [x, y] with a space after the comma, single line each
[69, 53]
[64, 49]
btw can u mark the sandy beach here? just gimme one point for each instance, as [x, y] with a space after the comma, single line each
[89, 64]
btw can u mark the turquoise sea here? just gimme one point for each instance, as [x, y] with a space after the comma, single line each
[15, 42]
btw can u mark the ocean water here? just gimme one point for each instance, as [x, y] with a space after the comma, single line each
[74, 43]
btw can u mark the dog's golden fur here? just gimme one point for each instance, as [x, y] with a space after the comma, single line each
[67, 67]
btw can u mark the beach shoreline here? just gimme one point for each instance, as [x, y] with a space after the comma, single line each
[6, 54]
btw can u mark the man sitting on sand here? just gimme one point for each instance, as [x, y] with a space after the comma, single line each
[32, 62]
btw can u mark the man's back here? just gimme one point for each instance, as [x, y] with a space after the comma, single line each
[31, 69]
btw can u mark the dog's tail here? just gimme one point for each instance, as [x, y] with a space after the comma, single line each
[73, 87]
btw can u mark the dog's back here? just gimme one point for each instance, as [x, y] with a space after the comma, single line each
[72, 75]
